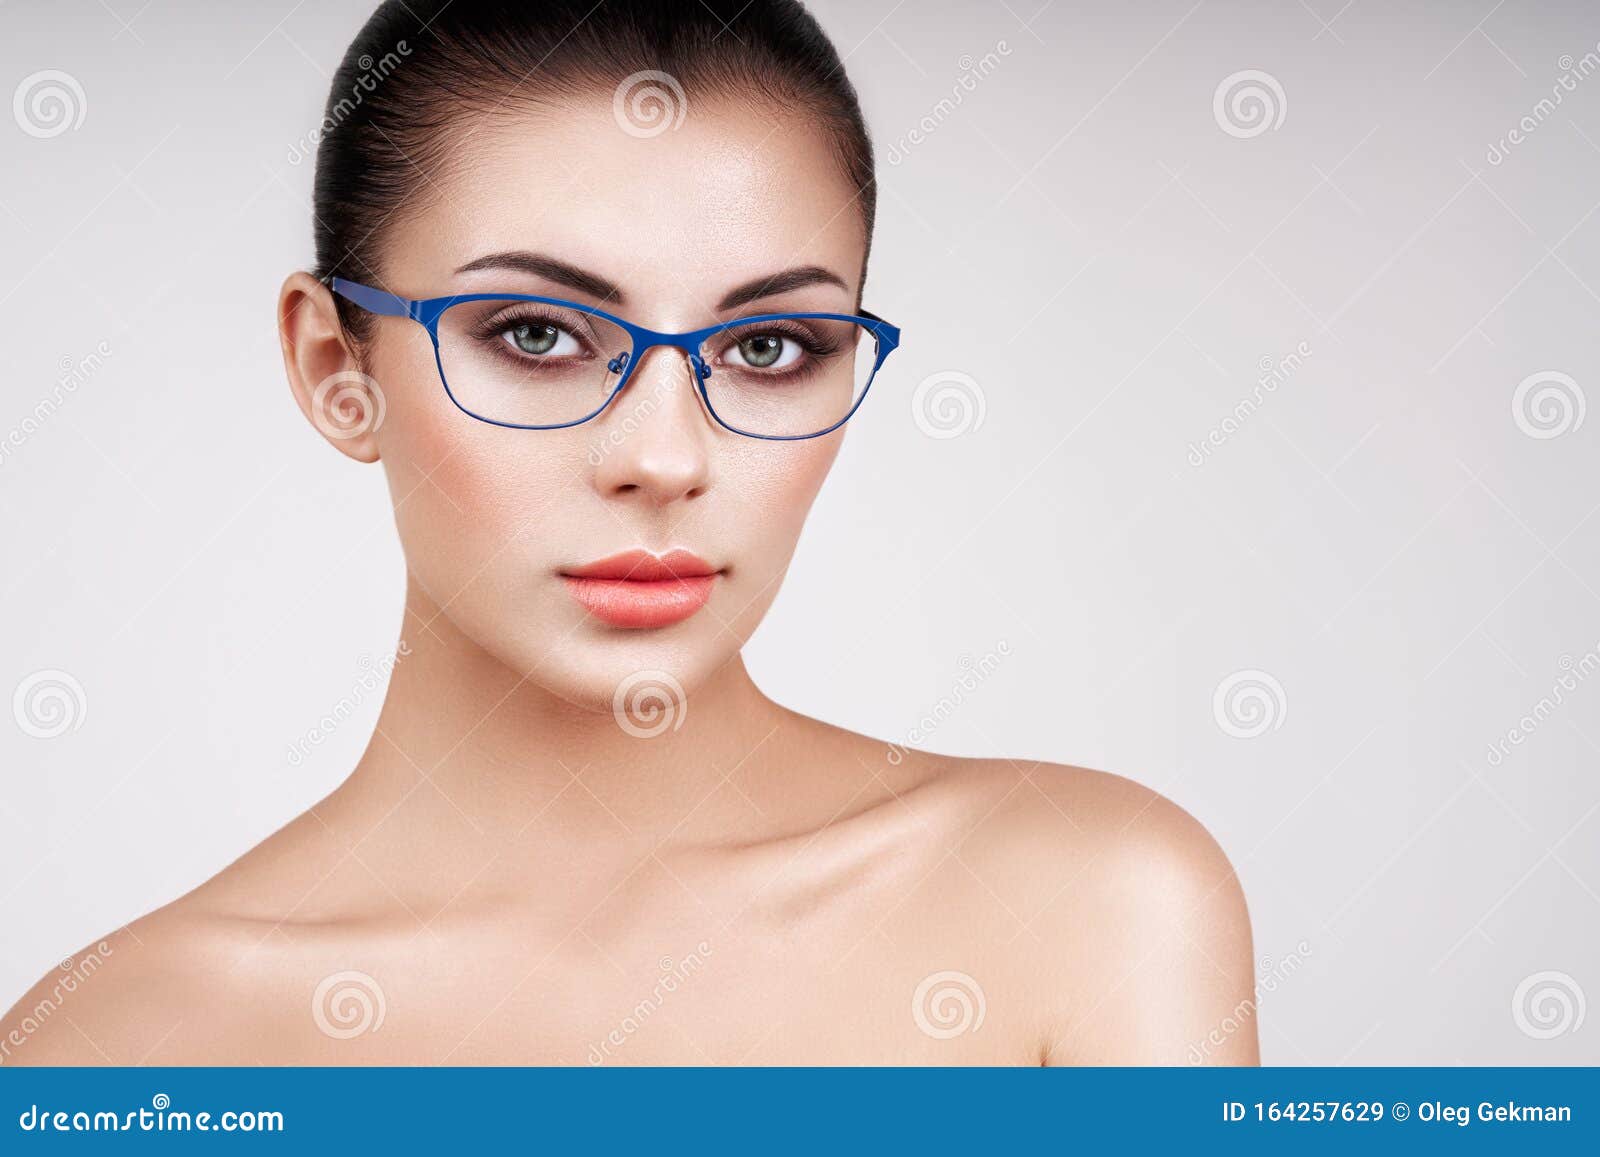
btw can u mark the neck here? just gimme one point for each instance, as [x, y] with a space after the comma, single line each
[496, 747]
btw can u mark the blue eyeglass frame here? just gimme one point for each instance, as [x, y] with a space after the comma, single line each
[427, 312]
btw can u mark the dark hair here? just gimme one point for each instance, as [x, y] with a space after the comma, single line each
[417, 65]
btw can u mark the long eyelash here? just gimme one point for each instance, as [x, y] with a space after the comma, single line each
[804, 338]
[497, 325]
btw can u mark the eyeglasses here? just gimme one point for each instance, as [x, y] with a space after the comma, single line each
[540, 363]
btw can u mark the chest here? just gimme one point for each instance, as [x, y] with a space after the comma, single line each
[688, 981]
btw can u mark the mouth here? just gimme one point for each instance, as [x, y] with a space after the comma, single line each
[638, 589]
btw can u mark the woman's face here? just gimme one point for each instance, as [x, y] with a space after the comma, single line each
[495, 521]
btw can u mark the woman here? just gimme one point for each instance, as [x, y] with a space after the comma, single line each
[580, 833]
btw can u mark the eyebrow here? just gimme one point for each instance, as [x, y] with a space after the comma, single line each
[563, 273]
[783, 282]
[550, 269]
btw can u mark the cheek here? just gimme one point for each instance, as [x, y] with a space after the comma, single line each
[465, 493]
[780, 481]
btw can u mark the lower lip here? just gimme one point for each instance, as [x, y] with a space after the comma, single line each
[626, 603]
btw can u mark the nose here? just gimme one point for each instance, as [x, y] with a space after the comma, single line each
[655, 438]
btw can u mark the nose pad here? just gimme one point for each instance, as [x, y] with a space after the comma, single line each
[619, 363]
[702, 371]
[657, 445]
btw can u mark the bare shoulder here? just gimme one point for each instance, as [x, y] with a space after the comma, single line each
[121, 999]
[185, 984]
[1113, 906]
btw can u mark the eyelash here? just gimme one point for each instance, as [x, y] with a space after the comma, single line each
[812, 344]
[494, 327]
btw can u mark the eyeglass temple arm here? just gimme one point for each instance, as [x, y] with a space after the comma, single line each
[889, 333]
[372, 300]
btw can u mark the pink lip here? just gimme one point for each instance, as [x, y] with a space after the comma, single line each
[639, 589]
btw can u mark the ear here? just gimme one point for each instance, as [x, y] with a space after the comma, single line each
[343, 403]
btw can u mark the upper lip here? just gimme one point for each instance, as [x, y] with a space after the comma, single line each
[642, 566]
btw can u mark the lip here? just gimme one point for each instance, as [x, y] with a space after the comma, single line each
[637, 589]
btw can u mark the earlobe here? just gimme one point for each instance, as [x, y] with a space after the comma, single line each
[343, 403]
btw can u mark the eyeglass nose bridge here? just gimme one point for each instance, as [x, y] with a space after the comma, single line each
[646, 340]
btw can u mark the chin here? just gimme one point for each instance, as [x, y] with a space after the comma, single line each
[608, 670]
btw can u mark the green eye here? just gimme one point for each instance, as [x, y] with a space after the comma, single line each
[533, 339]
[761, 350]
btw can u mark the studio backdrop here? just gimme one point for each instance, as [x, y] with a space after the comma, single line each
[1240, 442]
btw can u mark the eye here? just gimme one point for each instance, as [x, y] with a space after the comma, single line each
[540, 339]
[767, 351]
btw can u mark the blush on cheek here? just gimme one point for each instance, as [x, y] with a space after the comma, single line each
[782, 480]
[800, 474]
[481, 504]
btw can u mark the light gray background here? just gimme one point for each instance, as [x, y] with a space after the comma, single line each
[1109, 267]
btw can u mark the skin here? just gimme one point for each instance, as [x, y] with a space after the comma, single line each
[528, 883]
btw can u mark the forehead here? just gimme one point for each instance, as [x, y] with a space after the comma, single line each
[732, 193]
